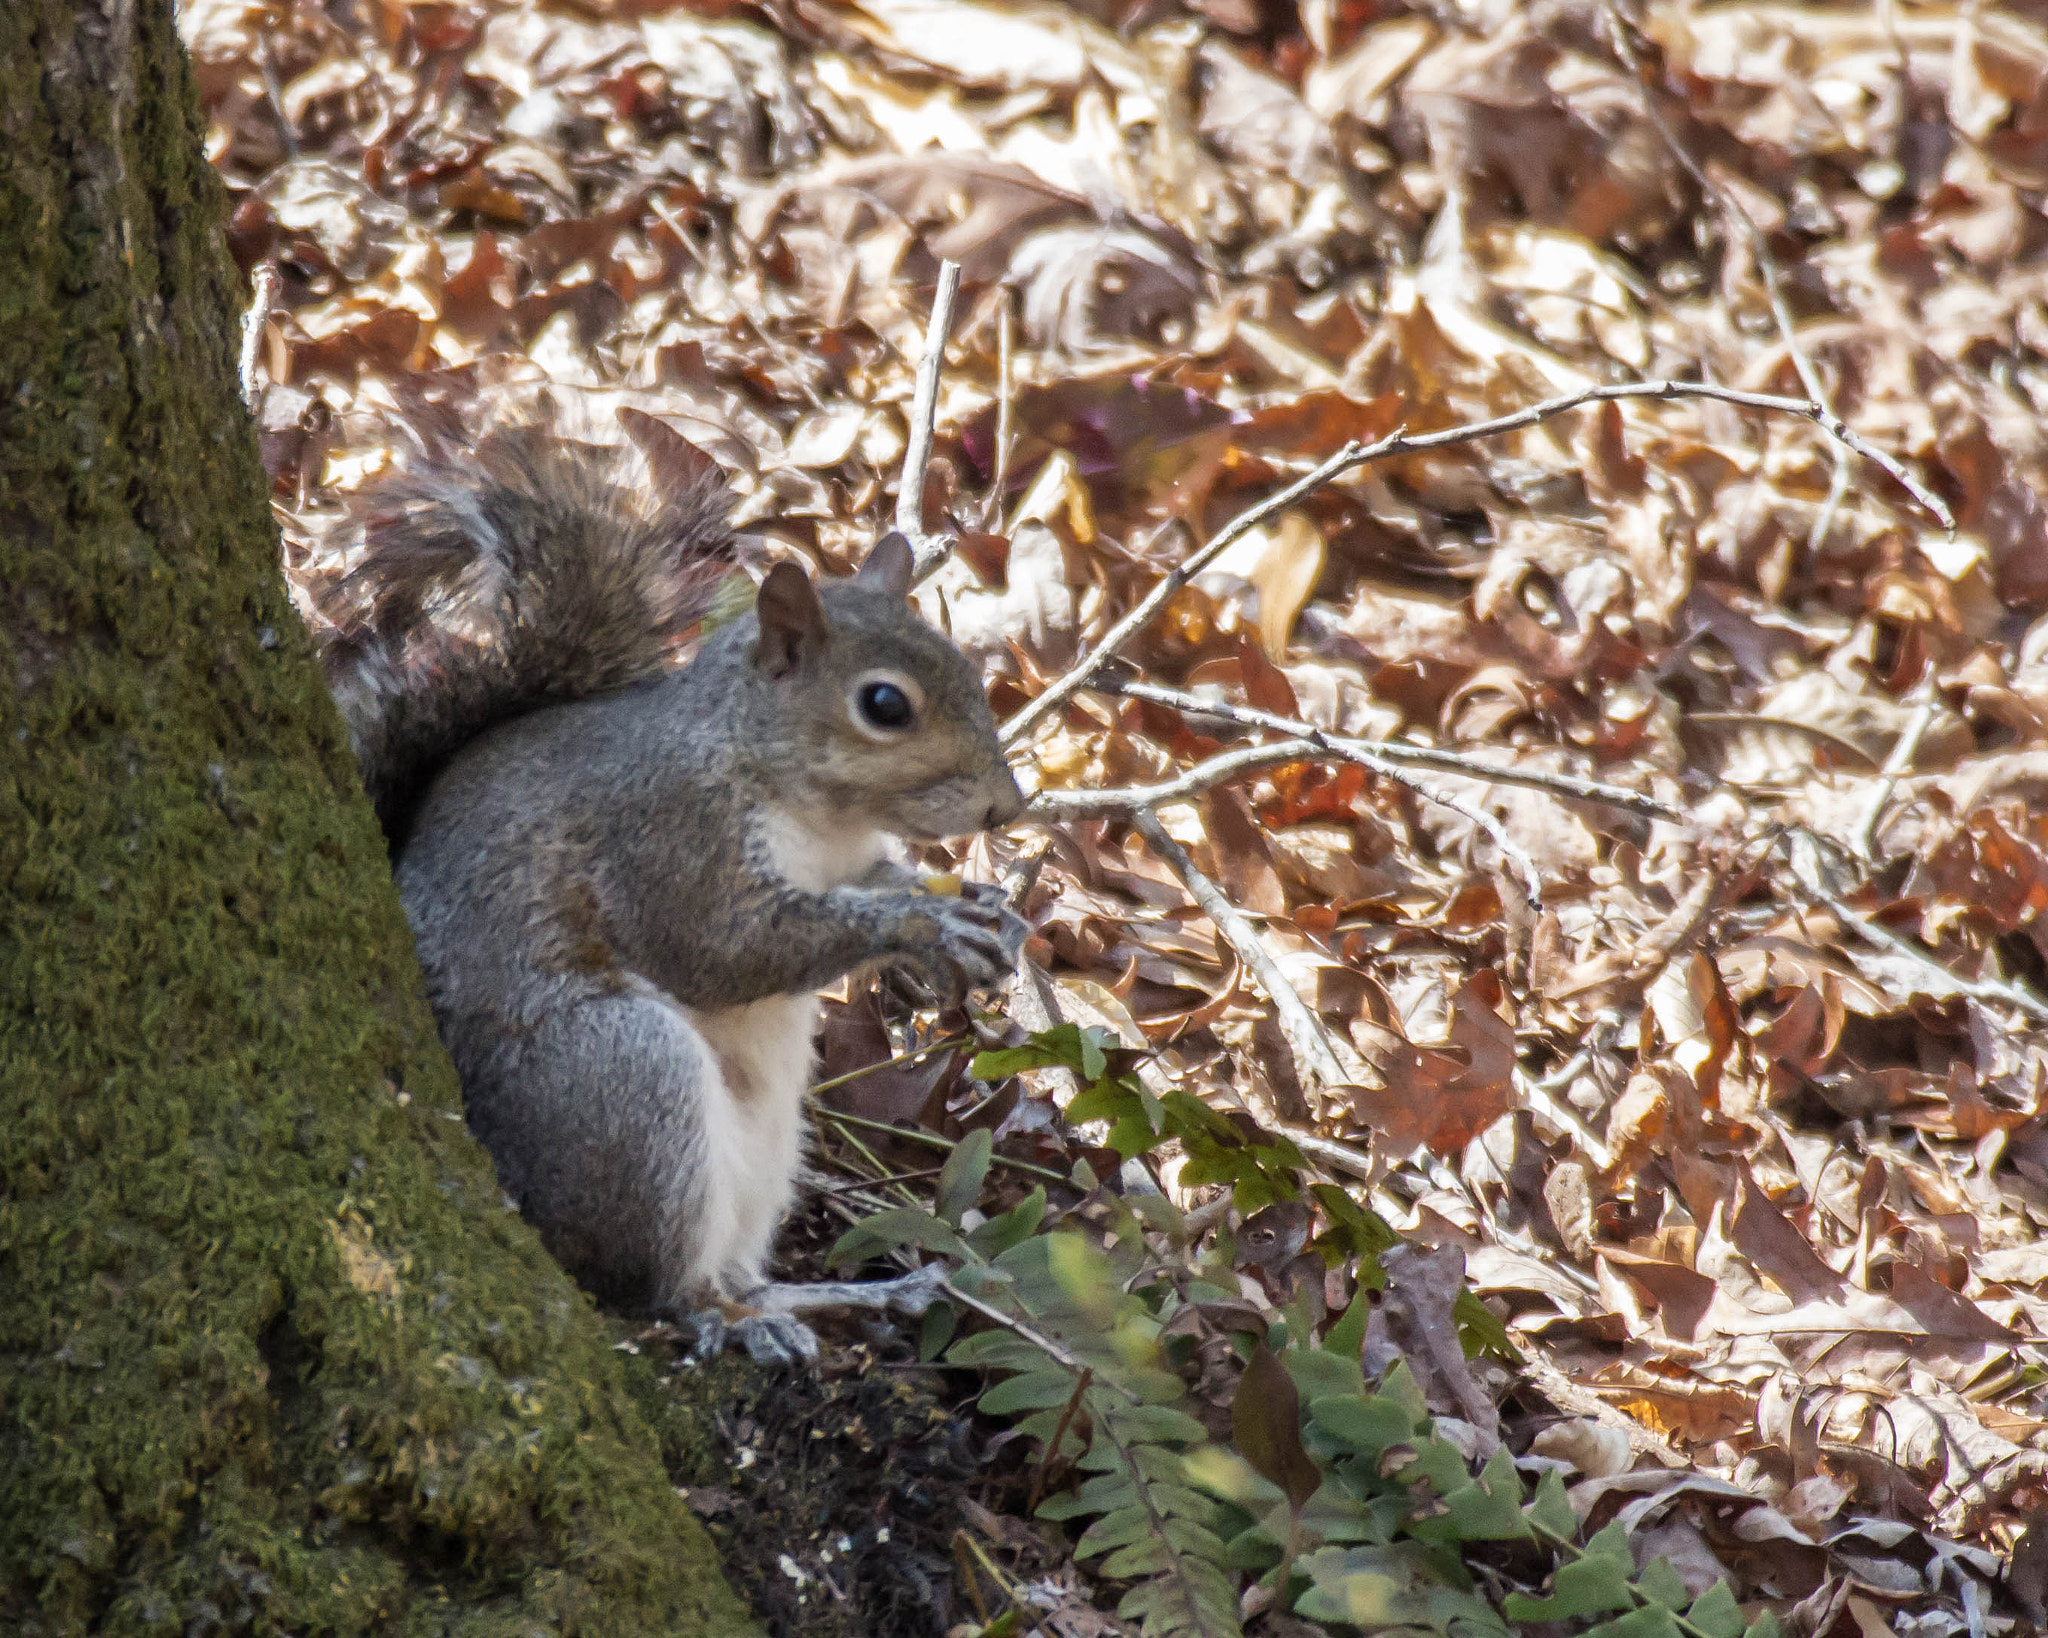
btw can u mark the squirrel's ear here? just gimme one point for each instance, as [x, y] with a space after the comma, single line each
[792, 620]
[888, 567]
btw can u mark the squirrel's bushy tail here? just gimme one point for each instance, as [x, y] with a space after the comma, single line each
[529, 570]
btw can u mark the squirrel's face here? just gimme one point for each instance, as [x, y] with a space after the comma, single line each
[886, 717]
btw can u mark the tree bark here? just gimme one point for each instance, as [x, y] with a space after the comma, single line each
[274, 1354]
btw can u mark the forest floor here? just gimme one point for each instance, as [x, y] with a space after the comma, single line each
[1611, 852]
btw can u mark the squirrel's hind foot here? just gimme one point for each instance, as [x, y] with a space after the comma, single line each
[765, 1321]
[769, 1339]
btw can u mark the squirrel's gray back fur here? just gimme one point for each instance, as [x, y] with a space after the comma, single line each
[529, 571]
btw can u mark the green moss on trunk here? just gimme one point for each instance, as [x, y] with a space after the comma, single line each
[274, 1356]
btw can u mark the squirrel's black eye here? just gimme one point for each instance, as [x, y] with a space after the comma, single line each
[884, 705]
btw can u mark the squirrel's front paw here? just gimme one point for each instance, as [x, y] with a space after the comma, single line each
[960, 944]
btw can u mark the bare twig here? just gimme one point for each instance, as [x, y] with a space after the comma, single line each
[1072, 680]
[1051, 1451]
[1367, 753]
[1038, 1339]
[261, 306]
[1903, 751]
[1316, 1062]
[930, 1140]
[1220, 769]
[930, 550]
[1355, 454]
[1344, 1157]
[902, 1060]
[1733, 209]
[273, 90]
[1805, 851]
[1478, 817]
[1006, 390]
[1096, 804]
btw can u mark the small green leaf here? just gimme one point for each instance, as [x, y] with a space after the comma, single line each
[1133, 1135]
[1319, 1375]
[1034, 1390]
[1004, 1062]
[1612, 1544]
[1480, 1330]
[1399, 1385]
[965, 1171]
[995, 1350]
[1368, 1586]
[1065, 1046]
[1354, 1231]
[1659, 1581]
[1117, 1529]
[1651, 1621]
[1019, 1223]
[1224, 1473]
[1105, 1493]
[1367, 1425]
[890, 1230]
[1490, 1508]
[1585, 1586]
[1716, 1613]
[1155, 1424]
[1551, 1511]
[940, 1321]
[1347, 1337]
[1437, 1461]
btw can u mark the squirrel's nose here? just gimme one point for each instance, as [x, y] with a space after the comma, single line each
[1008, 804]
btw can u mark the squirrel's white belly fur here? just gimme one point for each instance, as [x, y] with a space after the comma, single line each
[753, 1132]
[753, 1124]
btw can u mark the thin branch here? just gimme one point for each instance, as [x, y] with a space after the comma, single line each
[1355, 454]
[1477, 817]
[1733, 209]
[931, 1140]
[1365, 756]
[1060, 806]
[1071, 681]
[1218, 770]
[1006, 391]
[1731, 206]
[902, 1060]
[1059, 1435]
[1344, 1157]
[930, 550]
[1316, 1063]
[273, 90]
[262, 305]
[1373, 753]
[1903, 751]
[1804, 851]
[1038, 1339]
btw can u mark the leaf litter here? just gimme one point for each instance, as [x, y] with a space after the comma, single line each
[1728, 1101]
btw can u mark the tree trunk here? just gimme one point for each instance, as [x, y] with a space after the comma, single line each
[274, 1355]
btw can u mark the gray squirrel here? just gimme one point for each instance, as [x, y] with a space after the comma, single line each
[626, 879]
